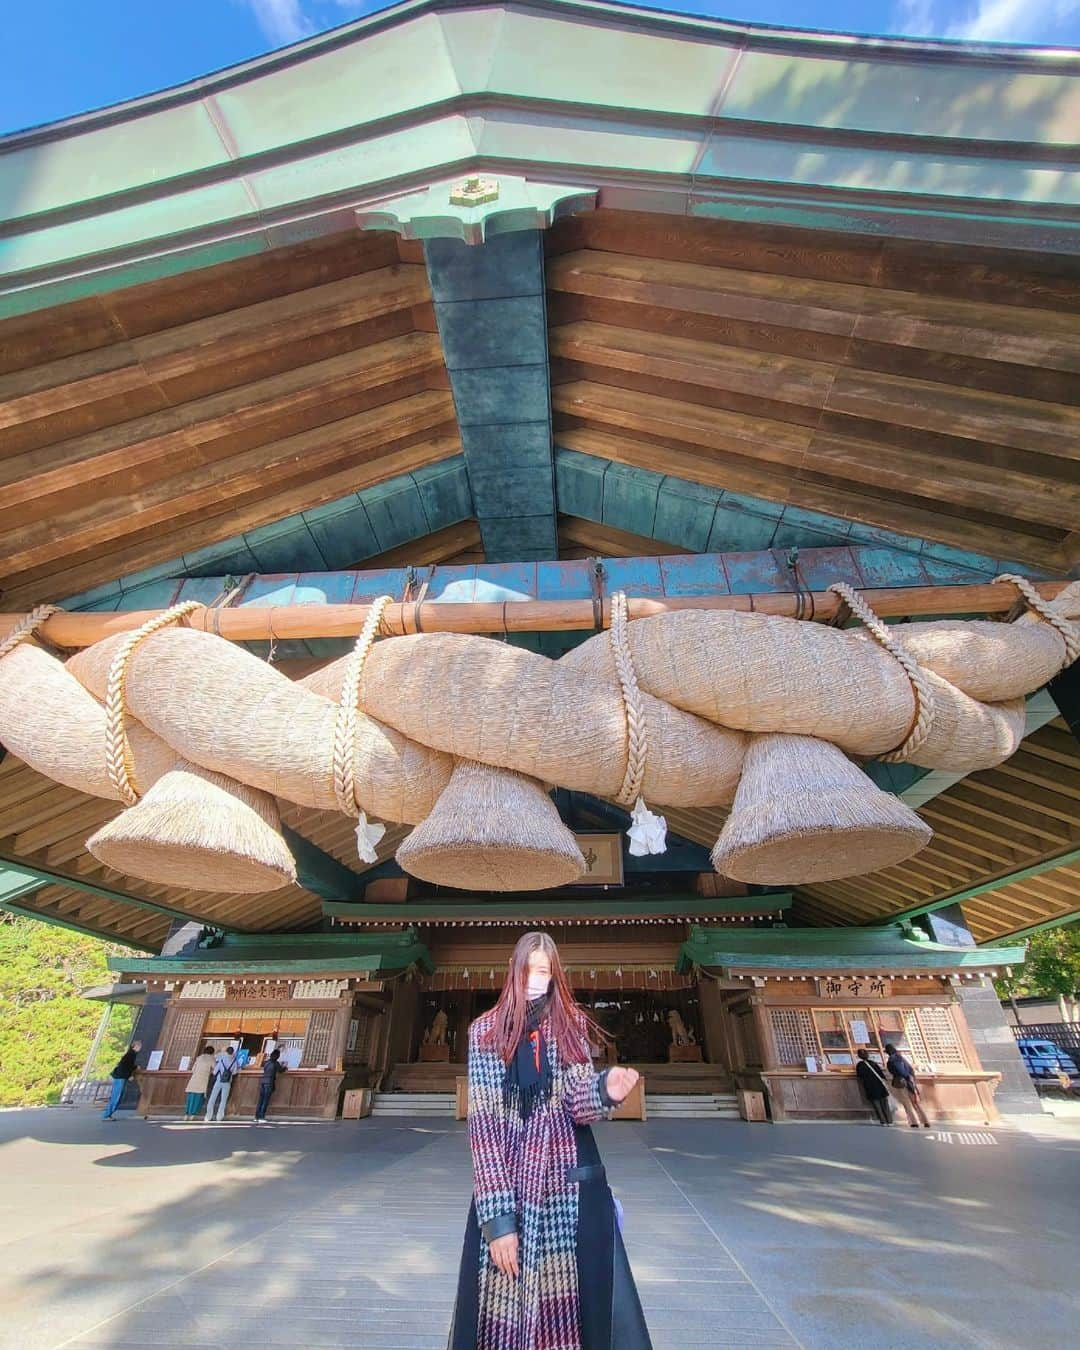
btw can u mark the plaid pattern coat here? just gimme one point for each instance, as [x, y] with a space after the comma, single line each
[519, 1173]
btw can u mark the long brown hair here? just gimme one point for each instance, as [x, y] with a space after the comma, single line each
[571, 1025]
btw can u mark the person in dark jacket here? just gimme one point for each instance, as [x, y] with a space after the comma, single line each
[268, 1082]
[906, 1087]
[875, 1087]
[121, 1074]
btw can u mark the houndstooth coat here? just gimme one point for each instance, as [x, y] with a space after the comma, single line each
[521, 1185]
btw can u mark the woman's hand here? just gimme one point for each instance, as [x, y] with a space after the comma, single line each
[620, 1082]
[504, 1252]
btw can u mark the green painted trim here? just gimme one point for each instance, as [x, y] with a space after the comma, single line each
[361, 965]
[13, 886]
[45, 876]
[516, 910]
[82, 928]
[319, 872]
[822, 950]
[1034, 928]
[374, 964]
[274, 953]
[983, 887]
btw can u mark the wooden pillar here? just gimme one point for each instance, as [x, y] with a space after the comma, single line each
[341, 1033]
[461, 1028]
[712, 1024]
[762, 1022]
[404, 1014]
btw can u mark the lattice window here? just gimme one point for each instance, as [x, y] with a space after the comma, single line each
[916, 1046]
[184, 1038]
[319, 1038]
[939, 1036]
[793, 1032]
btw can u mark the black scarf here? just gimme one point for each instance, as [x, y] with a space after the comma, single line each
[528, 1075]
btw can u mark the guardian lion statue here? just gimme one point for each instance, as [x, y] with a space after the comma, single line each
[436, 1033]
[680, 1035]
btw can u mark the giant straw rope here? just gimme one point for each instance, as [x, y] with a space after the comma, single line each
[664, 707]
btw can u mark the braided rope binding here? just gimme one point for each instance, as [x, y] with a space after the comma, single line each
[118, 758]
[637, 737]
[1070, 632]
[344, 766]
[924, 694]
[25, 629]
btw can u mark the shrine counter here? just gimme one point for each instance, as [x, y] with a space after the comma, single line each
[312, 1094]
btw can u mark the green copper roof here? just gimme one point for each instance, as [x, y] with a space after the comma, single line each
[874, 950]
[561, 103]
[289, 953]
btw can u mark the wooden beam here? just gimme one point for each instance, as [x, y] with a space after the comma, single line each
[590, 419]
[994, 884]
[107, 935]
[1072, 916]
[33, 871]
[253, 622]
[608, 542]
[436, 547]
[229, 517]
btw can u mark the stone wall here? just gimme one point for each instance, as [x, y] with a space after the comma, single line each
[996, 1046]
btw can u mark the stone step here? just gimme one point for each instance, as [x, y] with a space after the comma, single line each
[413, 1104]
[714, 1106]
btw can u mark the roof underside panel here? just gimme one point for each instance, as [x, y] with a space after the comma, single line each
[824, 380]
[154, 423]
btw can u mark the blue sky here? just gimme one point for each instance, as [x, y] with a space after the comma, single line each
[67, 56]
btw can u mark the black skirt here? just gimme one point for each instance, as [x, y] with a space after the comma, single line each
[610, 1310]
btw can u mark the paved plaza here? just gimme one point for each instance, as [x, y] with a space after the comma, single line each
[135, 1234]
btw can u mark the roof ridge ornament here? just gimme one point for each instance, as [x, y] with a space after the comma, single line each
[475, 192]
[476, 208]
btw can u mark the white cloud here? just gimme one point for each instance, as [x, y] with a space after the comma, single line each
[986, 20]
[1013, 20]
[914, 18]
[282, 21]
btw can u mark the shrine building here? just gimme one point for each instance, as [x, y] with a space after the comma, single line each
[502, 337]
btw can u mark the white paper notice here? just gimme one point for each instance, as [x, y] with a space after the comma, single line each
[185, 1063]
[811, 1064]
[156, 1056]
[859, 1033]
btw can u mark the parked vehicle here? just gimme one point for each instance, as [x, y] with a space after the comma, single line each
[1044, 1059]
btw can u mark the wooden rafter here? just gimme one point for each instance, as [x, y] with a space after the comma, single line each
[782, 365]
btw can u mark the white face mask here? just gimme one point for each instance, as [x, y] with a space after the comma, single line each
[537, 986]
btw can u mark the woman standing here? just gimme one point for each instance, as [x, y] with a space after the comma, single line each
[198, 1085]
[543, 1265]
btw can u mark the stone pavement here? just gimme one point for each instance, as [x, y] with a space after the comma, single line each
[136, 1234]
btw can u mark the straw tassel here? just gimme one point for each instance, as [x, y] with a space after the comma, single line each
[648, 831]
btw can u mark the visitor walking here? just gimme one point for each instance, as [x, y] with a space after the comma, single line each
[875, 1087]
[543, 1263]
[224, 1070]
[906, 1087]
[199, 1083]
[270, 1070]
[124, 1070]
